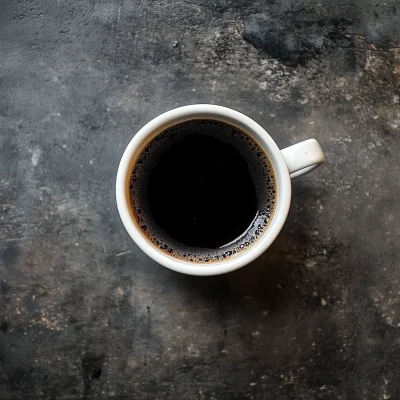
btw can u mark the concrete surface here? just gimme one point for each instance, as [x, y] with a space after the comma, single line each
[85, 315]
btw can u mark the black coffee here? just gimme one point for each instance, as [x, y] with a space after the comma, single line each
[202, 190]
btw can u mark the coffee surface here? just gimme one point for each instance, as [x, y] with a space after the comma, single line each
[202, 190]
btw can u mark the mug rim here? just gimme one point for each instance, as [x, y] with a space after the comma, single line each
[224, 114]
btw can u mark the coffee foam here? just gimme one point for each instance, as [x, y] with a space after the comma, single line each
[261, 171]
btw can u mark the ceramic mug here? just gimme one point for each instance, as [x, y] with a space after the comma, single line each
[288, 163]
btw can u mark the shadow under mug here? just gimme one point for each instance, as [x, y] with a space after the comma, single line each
[288, 163]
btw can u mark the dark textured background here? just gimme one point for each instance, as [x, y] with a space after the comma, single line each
[85, 315]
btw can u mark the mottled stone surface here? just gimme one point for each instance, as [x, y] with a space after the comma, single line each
[85, 315]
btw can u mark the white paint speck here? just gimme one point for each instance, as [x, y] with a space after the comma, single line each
[310, 264]
[123, 253]
[253, 383]
[303, 101]
[256, 333]
[263, 85]
[323, 302]
[348, 96]
[36, 153]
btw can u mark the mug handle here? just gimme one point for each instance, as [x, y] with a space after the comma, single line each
[303, 157]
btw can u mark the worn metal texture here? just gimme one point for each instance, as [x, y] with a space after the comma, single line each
[84, 314]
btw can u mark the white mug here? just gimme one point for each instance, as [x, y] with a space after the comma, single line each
[288, 163]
